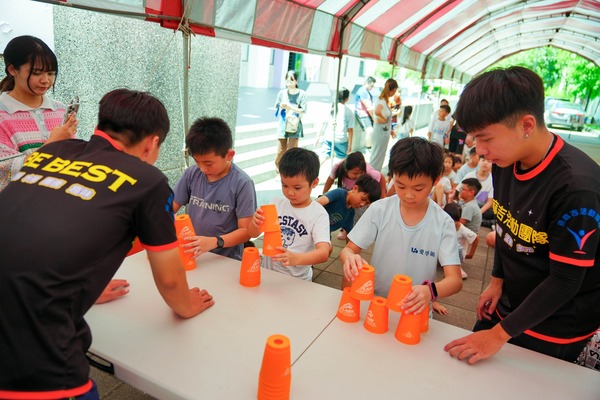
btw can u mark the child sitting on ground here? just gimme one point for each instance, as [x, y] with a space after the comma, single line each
[412, 234]
[340, 203]
[304, 222]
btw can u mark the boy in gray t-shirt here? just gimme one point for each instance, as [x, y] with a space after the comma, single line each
[219, 196]
[471, 213]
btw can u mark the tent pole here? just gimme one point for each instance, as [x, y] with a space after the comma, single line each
[186, 89]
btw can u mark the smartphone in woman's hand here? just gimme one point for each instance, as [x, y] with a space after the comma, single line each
[72, 108]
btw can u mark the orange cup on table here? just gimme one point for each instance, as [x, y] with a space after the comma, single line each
[377, 316]
[425, 318]
[271, 222]
[400, 287]
[363, 286]
[183, 229]
[349, 308]
[409, 328]
[275, 378]
[271, 241]
[250, 268]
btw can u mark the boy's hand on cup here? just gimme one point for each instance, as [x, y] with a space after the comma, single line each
[287, 258]
[198, 245]
[416, 300]
[258, 218]
[352, 265]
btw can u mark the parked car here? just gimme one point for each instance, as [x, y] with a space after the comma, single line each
[566, 114]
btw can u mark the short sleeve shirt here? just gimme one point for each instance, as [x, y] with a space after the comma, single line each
[340, 216]
[216, 207]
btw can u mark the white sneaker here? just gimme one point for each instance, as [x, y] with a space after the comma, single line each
[342, 235]
[463, 274]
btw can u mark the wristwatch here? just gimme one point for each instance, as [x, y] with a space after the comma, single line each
[432, 289]
[220, 242]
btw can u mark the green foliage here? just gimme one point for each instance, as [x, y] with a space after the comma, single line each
[565, 74]
[383, 70]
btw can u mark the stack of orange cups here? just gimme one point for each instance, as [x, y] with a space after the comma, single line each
[184, 228]
[250, 268]
[363, 287]
[377, 316]
[409, 328]
[275, 376]
[349, 308]
[400, 287]
[272, 230]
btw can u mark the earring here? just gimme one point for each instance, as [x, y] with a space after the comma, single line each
[527, 136]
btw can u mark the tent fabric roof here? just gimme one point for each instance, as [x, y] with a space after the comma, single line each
[451, 39]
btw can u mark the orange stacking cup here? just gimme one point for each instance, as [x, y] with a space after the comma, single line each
[275, 376]
[400, 287]
[271, 241]
[363, 286]
[184, 228]
[409, 329]
[349, 308]
[271, 222]
[377, 316]
[250, 269]
[425, 318]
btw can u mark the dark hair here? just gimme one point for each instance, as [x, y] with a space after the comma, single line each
[370, 79]
[407, 113]
[130, 116]
[209, 135]
[444, 101]
[299, 161]
[454, 211]
[447, 154]
[367, 184]
[457, 159]
[473, 150]
[500, 96]
[390, 85]
[472, 183]
[353, 160]
[24, 50]
[416, 156]
[293, 74]
[343, 94]
[445, 107]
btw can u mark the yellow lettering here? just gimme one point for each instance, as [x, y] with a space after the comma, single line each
[96, 173]
[74, 168]
[121, 180]
[35, 158]
[56, 165]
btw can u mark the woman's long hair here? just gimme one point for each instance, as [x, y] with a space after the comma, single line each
[389, 86]
[353, 160]
[407, 113]
[24, 50]
[342, 96]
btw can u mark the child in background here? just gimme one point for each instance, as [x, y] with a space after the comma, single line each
[471, 164]
[471, 213]
[443, 192]
[439, 127]
[304, 222]
[346, 172]
[340, 203]
[407, 124]
[220, 197]
[411, 233]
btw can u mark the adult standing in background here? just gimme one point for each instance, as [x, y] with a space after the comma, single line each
[290, 101]
[28, 117]
[545, 285]
[382, 130]
[338, 131]
[363, 108]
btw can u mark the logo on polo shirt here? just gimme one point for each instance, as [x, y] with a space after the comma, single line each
[577, 222]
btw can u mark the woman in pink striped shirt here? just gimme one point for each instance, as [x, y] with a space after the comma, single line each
[28, 117]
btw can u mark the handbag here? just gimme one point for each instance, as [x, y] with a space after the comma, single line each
[291, 123]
